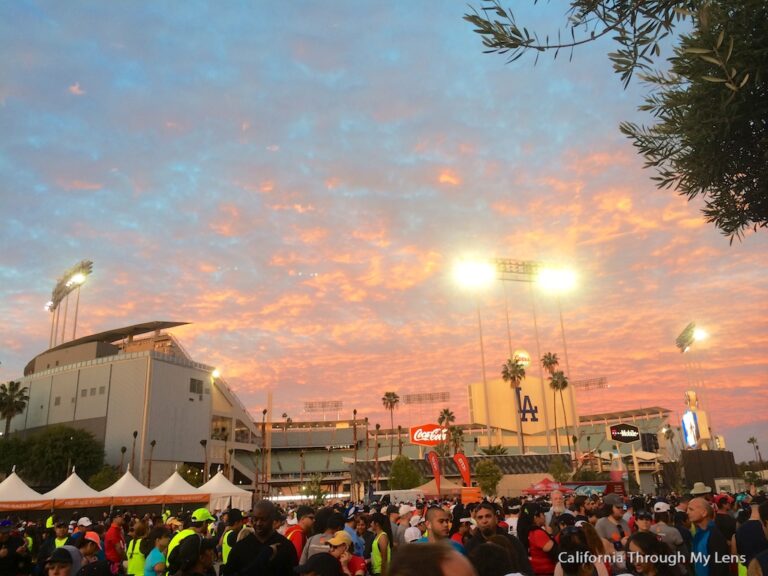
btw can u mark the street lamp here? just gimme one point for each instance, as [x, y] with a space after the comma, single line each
[475, 275]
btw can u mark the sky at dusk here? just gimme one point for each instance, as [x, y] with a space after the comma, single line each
[297, 180]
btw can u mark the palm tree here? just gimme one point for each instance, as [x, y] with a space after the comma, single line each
[456, 435]
[13, 401]
[514, 373]
[445, 419]
[494, 450]
[752, 440]
[376, 453]
[559, 382]
[390, 401]
[550, 363]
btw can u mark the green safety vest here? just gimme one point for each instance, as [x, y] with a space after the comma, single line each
[49, 521]
[135, 558]
[61, 541]
[376, 555]
[225, 547]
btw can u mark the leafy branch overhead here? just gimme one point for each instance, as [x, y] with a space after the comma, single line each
[710, 107]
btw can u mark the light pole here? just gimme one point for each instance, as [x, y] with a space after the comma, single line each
[149, 469]
[204, 444]
[70, 281]
[133, 450]
[476, 275]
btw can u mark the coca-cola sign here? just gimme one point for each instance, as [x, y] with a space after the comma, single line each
[428, 434]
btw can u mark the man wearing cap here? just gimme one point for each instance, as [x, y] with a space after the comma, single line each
[264, 552]
[89, 545]
[613, 527]
[13, 550]
[668, 534]
[404, 513]
[341, 549]
[235, 523]
[200, 520]
[487, 525]
[350, 526]
[63, 561]
[298, 533]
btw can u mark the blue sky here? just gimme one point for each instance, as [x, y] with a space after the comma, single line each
[297, 180]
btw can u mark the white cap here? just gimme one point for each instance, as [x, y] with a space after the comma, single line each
[84, 521]
[415, 520]
[412, 534]
[661, 507]
[405, 509]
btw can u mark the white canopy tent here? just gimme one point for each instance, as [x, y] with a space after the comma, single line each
[127, 486]
[222, 491]
[175, 484]
[72, 487]
[13, 489]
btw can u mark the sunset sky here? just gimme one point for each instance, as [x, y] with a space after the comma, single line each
[298, 179]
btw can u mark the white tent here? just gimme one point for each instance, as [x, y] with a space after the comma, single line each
[222, 490]
[175, 485]
[72, 487]
[13, 489]
[127, 486]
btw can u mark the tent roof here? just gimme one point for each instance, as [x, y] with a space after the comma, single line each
[127, 485]
[72, 487]
[13, 489]
[219, 484]
[175, 484]
[430, 488]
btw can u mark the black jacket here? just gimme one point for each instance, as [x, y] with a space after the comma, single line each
[522, 554]
[251, 557]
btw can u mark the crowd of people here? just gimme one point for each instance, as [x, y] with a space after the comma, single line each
[699, 534]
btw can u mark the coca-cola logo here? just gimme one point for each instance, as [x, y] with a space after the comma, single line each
[428, 434]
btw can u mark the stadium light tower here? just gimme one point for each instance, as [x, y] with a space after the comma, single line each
[69, 282]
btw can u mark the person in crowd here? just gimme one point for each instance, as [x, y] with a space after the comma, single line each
[751, 536]
[534, 533]
[599, 547]
[133, 552]
[574, 555]
[350, 525]
[114, 544]
[404, 513]
[464, 532]
[487, 525]
[491, 559]
[381, 549]
[649, 556]
[708, 543]
[438, 528]
[234, 523]
[668, 534]
[558, 507]
[63, 561]
[318, 543]
[154, 547]
[579, 508]
[323, 564]
[196, 556]
[341, 548]
[412, 534]
[614, 528]
[265, 552]
[198, 525]
[430, 560]
[15, 556]
[643, 521]
[362, 527]
[299, 533]
[724, 519]
[512, 513]
[83, 525]
[89, 546]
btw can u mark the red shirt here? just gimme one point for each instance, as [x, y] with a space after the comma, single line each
[356, 565]
[112, 538]
[540, 561]
[297, 537]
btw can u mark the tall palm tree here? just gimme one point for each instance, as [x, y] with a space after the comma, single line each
[13, 401]
[445, 419]
[390, 401]
[376, 453]
[514, 373]
[456, 435]
[752, 440]
[550, 362]
[559, 382]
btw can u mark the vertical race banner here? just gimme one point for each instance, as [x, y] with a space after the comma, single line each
[434, 462]
[462, 463]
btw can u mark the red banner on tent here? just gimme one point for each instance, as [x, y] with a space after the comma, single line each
[462, 463]
[25, 505]
[434, 462]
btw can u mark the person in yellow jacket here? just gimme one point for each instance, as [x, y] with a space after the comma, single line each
[133, 553]
[235, 522]
[199, 522]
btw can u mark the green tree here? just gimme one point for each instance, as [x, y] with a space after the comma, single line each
[13, 401]
[404, 475]
[550, 362]
[488, 476]
[314, 490]
[559, 470]
[54, 450]
[513, 372]
[710, 108]
[456, 437]
[191, 474]
[104, 478]
[390, 401]
[13, 453]
[494, 450]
